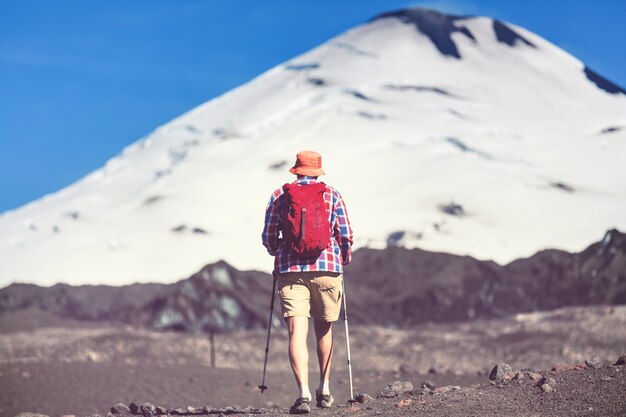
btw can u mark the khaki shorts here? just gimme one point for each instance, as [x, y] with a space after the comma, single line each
[307, 294]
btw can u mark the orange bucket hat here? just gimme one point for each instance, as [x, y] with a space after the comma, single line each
[308, 163]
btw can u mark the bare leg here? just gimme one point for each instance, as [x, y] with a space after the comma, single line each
[298, 355]
[325, 344]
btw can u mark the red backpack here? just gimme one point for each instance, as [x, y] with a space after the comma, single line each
[307, 226]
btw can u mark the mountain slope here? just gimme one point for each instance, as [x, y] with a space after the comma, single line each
[458, 134]
[391, 287]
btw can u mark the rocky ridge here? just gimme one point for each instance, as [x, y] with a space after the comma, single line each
[390, 287]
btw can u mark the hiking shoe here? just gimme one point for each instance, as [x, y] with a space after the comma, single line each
[301, 406]
[323, 400]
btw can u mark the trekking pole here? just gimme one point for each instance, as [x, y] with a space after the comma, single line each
[345, 320]
[262, 387]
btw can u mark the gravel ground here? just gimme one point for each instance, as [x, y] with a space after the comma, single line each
[82, 370]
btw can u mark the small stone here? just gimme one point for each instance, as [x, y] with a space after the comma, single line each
[428, 384]
[548, 380]
[134, 408]
[594, 362]
[191, 409]
[148, 409]
[534, 376]
[606, 379]
[547, 388]
[363, 398]
[425, 388]
[396, 389]
[519, 375]
[621, 360]
[120, 408]
[501, 372]
[160, 410]
[206, 409]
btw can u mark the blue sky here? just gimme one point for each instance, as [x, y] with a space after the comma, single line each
[79, 80]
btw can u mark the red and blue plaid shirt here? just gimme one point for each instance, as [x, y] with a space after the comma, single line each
[338, 252]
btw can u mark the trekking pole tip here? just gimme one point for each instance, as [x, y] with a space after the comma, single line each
[262, 388]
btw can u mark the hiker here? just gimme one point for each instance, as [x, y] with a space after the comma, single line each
[308, 232]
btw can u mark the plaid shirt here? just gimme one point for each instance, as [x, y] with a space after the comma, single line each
[338, 252]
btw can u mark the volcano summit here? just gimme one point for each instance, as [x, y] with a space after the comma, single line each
[460, 134]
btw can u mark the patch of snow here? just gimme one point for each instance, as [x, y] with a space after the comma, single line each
[221, 276]
[230, 306]
[168, 318]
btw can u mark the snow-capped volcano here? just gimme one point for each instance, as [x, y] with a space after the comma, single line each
[459, 134]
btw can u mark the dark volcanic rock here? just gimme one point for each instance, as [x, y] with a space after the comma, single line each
[121, 409]
[395, 286]
[363, 398]
[501, 372]
[218, 298]
[84, 302]
[398, 286]
[508, 36]
[148, 409]
[452, 208]
[548, 381]
[611, 129]
[593, 362]
[396, 389]
[425, 388]
[438, 27]
[621, 360]
[602, 83]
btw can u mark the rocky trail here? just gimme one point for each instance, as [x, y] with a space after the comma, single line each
[76, 368]
[588, 389]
